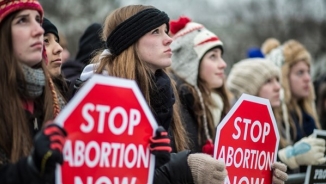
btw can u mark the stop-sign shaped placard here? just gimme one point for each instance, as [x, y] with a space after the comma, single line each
[247, 141]
[109, 125]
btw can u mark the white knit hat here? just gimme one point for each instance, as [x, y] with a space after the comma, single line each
[189, 46]
[248, 75]
[191, 42]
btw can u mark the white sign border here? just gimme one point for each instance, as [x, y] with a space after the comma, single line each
[251, 98]
[108, 81]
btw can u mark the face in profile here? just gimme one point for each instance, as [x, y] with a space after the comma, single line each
[299, 78]
[27, 37]
[212, 68]
[54, 54]
[154, 48]
[271, 91]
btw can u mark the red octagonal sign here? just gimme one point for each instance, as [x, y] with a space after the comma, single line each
[109, 125]
[247, 141]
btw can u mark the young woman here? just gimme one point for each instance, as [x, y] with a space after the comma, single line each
[198, 68]
[29, 99]
[258, 77]
[54, 58]
[298, 117]
[52, 47]
[140, 50]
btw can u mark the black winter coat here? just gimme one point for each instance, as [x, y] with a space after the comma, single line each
[187, 114]
[20, 172]
[176, 171]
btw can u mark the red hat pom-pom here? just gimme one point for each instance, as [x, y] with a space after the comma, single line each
[208, 147]
[177, 25]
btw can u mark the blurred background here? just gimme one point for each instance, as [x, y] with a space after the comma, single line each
[240, 24]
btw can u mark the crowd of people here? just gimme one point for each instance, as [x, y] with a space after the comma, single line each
[179, 68]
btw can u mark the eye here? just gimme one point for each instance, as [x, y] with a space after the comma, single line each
[213, 56]
[38, 19]
[46, 40]
[22, 20]
[156, 31]
[268, 81]
[300, 72]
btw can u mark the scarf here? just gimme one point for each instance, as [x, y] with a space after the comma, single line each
[35, 80]
[217, 109]
[35, 83]
[162, 99]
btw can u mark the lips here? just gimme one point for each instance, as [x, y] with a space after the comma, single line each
[37, 44]
[219, 74]
[169, 50]
[57, 62]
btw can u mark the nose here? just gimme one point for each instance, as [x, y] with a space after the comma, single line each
[57, 48]
[307, 77]
[222, 64]
[37, 29]
[168, 40]
[277, 85]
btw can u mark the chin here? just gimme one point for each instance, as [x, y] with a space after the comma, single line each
[217, 85]
[275, 104]
[54, 73]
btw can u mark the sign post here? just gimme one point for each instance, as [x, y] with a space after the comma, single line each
[109, 125]
[247, 141]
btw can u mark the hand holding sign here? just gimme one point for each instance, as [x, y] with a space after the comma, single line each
[205, 169]
[160, 147]
[247, 141]
[109, 126]
[48, 149]
[279, 173]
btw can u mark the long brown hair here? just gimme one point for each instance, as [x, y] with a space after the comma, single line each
[15, 136]
[128, 65]
[208, 101]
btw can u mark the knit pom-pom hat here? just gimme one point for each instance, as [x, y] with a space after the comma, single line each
[9, 6]
[191, 42]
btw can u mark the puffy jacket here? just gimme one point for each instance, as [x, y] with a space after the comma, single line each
[176, 171]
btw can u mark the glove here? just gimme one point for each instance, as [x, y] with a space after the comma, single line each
[307, 151]
[279, 173]
[47, 152]
[206, 169]
[160, 147]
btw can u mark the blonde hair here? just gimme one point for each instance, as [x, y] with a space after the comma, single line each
[129, 66]
[293, 52]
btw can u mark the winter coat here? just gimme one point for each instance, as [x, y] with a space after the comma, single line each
[187, 114]
[71, 70]
[176, 171]
[20, 172]
[307, 129]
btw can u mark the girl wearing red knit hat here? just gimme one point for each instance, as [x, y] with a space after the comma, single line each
[28, 152]
[198, 68]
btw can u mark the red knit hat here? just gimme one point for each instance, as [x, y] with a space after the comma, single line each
[9, 6]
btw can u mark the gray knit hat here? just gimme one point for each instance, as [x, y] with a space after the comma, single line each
[247, 76]
[189, 46]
